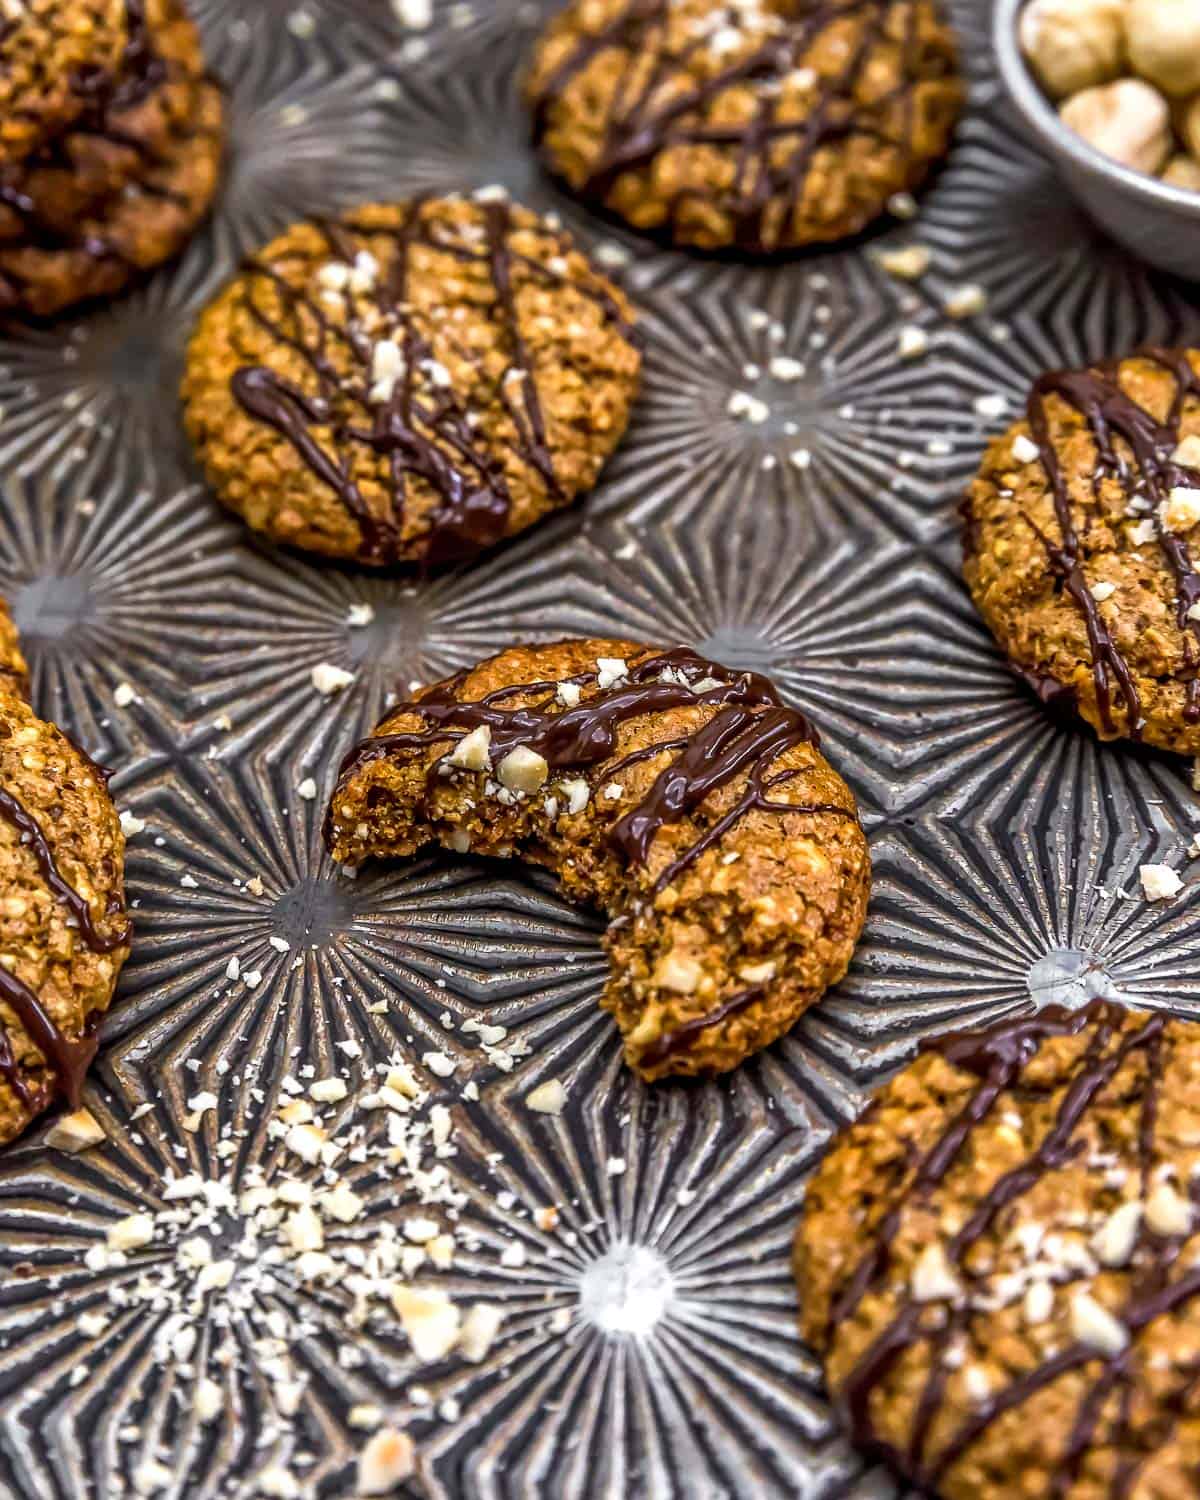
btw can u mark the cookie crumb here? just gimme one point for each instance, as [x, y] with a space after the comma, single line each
[549, 1098]
[902, 206]
[909, 263]
[329, 679]
[965, 301]
[389, 1457]
[913, 342]
[1159, 882]
[1094, 1325]
[75, 1132]
[743, 404]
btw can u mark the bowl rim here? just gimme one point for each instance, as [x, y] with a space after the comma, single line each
[1025, 92]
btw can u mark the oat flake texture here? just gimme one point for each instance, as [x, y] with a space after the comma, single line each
[607, 1286]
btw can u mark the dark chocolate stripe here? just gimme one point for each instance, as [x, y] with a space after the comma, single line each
[69, 1057]
[683, 1036]
[35, 841]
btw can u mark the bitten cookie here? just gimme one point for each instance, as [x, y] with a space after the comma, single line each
[63, 930]
[999, 1262]
[54, 55]
[1078, 544]
[763, 126]
[14, 674]
[679, 796]
[412, 382]
[144, 224]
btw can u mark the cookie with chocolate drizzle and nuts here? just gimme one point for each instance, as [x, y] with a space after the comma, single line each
[1000, 1266]
[681, 797]
[410, 383]
[63, 930]
[53, 266]
[1078, 544]
[758, 124]
[14, 674]
[148, 106]
[54, 56]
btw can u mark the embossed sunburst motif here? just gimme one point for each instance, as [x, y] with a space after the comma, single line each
[98, 382]
[632, 1299]
[1022, 909]
[100, 567]
[637, 1241]
[795, 386]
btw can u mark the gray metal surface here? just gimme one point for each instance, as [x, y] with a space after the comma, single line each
[1004, 844]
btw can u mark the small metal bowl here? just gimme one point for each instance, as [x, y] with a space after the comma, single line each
[1157, 222]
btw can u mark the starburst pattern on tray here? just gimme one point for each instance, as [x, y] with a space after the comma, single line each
[786, 501]
[1038, 901]
[97, 383]
[101, 567]
[999, 216]
[808, 389]
[473, 127]
[290, 145]
[203, 1241]
[382, 636]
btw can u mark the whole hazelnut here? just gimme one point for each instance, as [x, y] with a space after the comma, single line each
[1184, 172]
[1163, 37]
[1073, 44]
[1128, 120]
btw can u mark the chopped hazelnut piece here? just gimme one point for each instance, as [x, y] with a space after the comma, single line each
[1159, 882]
[523, 770]
[933, 1278]
[1095, 1326]
[549, 1098]
[472, 751]
[429, 1319]
[479, 1329]
[75, 1132]
[386, 1461]
[676, 972]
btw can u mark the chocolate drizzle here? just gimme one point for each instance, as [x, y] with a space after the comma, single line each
[1145, 469]
[68, 1057]
[774, 156]
[425, 430]
[997, 1058]
[745, 737]
[683, 1036]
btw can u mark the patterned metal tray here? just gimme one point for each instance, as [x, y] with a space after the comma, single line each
[649, 1346]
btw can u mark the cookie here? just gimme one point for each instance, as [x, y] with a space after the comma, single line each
[63, 930]
[127, 128]
[144, 224]
[410, 383]
[1078, 545]
[763, 125]
[680, 797]
[999, 1262]
[55, 55]
[14, 674]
